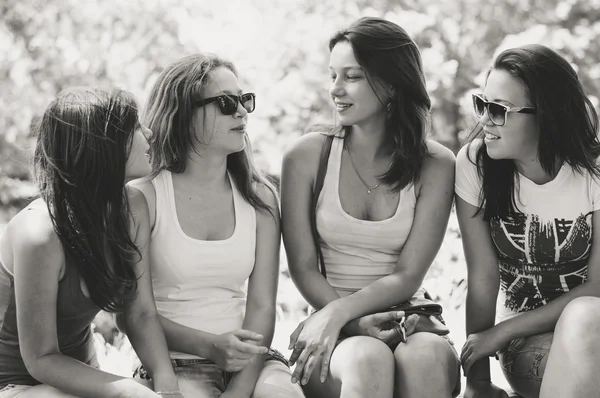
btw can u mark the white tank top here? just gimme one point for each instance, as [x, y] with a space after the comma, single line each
[197, 283]
[358, 252]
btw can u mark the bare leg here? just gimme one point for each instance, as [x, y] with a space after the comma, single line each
[426, 366]
[275, 381]
[574, 361]
[360, 367]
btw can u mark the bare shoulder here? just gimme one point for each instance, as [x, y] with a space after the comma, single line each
[137, 199]
[438, 167]
[439, 155]
[31, 232]
[303, 154]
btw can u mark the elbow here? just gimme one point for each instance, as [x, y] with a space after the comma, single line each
[139, 319]
[36, 366]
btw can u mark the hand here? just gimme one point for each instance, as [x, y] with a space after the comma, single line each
[313, 342]
[231, 353]
[484, 389]
[481, 345]
[383, 326]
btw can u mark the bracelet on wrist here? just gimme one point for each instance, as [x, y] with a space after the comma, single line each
[168, 393]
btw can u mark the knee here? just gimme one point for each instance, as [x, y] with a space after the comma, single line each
[275, 381]
[425, 349]
[371, 357]
[580, 320]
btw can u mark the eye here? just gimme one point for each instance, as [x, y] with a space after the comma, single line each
[353, 77]
[332, 77]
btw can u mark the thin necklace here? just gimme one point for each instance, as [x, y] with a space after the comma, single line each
[369, 187]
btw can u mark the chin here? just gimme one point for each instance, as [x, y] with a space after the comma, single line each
[495, 154]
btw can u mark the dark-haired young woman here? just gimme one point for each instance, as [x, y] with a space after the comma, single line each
[528, 195]
[381, 217]
[77, 250]
[215, 235]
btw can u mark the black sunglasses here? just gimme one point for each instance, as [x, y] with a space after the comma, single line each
[228, 103]
[496, 112]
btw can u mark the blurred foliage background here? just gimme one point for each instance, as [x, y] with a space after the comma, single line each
[280, 49]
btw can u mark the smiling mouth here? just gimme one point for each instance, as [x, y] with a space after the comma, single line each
[240, 129]
[341, 106]
[490, 136]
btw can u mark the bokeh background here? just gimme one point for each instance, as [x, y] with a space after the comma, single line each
[280, 49]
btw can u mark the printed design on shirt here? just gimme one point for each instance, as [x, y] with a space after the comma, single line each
[540, 260]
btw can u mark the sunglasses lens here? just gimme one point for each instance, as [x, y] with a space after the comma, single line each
[248, 102]
[478, 105]
[228, 105]
[497, 113]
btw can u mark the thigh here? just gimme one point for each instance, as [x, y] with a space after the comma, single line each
[353, 357]
[523, 362]
[200, 380]
[275, 381]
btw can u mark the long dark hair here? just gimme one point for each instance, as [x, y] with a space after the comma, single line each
[390, 57]
[169, 114]
[83, 142]
[566, 123]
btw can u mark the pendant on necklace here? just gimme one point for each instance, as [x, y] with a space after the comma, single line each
[368, 191]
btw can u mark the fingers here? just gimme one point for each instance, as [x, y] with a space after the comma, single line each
[311, 363]
[294, 336]
[250, 349]
[389, 316]
[325, 361]
[302, 357]
[243, 334]
[410, 324]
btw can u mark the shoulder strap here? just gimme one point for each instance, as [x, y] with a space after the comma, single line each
[318, 187]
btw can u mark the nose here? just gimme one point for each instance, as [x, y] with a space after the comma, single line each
[240, 112]
[337, 88]
[485, 118]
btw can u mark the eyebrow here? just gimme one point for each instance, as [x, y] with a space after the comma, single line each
[497, 100]
[228, 92]
[345, 68]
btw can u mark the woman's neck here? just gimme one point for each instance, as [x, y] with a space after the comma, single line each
[369, 139]
[532, 169]
[205, 170]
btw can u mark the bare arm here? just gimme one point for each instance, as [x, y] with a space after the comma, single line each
[299, 170]
[37, 262]
[262, 292]
[140, 315]
[483, 278]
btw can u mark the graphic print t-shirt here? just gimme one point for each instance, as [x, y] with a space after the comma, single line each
[543, 249]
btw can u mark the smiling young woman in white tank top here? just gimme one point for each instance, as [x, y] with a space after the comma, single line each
[381, 217]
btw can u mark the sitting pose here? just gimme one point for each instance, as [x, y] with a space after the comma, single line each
[528, 191]
[215, 223]
[79, 249]
[379, 221]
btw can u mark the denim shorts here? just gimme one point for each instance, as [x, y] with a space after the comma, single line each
[203, 378]
[13, 390]
[523, 362]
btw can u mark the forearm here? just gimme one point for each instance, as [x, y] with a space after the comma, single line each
[148, 340]
[74, 377]
[187, 340]
[480, 316]
[377, 296]
[544, 319]
[314, 288]
[260, 320]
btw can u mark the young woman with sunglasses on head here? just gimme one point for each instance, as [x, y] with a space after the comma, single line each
[381, 216]
[79, 249]
[528, 191]
[215, 228]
